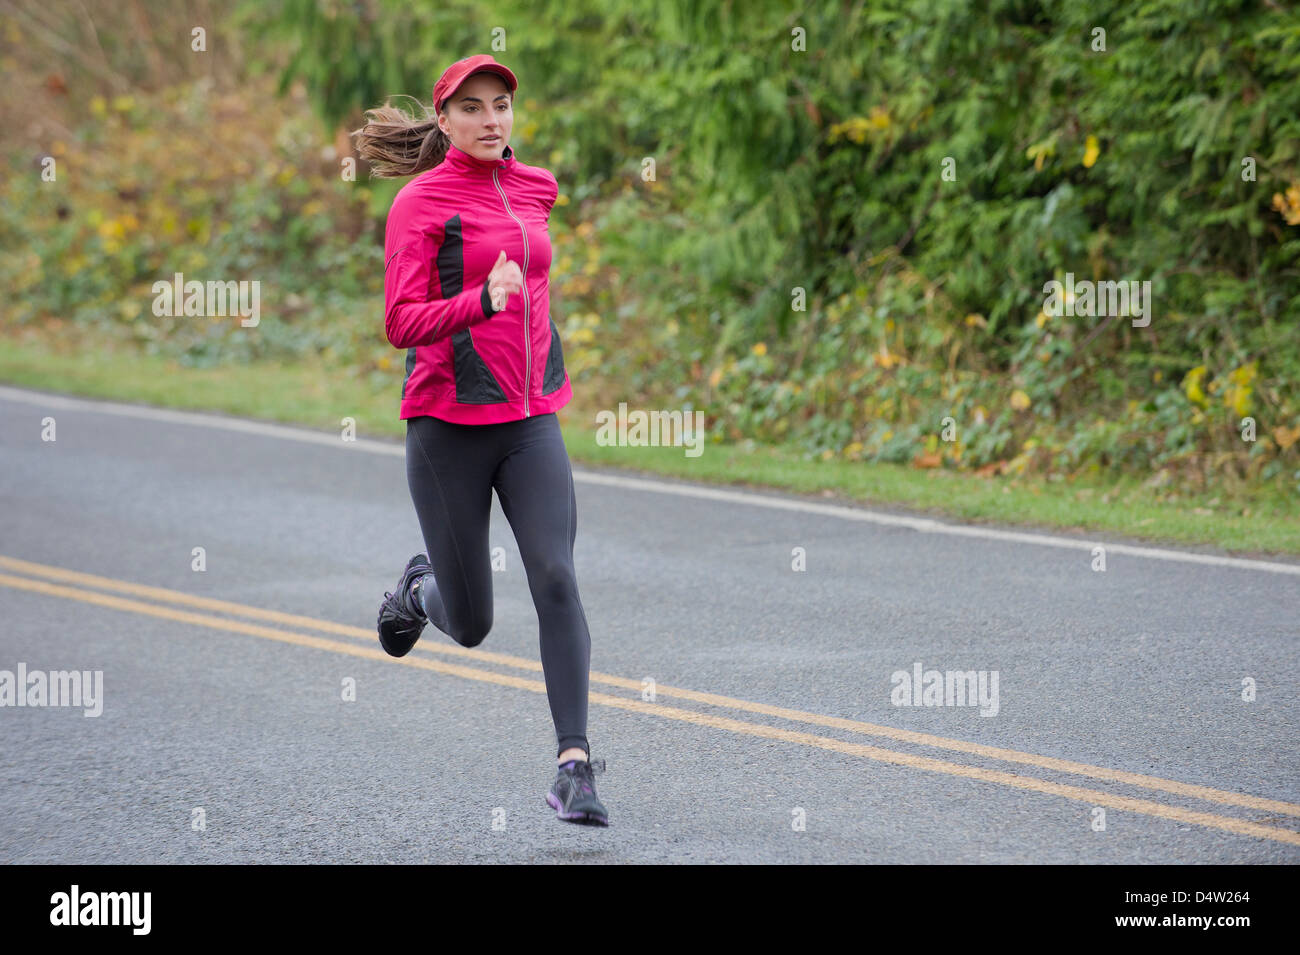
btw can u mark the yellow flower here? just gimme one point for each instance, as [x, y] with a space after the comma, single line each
[1244, 375]
[855, 129]
[1192, 386]
[1240, 387]
[1091, 150]
[1039, 152]
[1041, 320]
[1019, 400]
[1289, 205]
[760, 349]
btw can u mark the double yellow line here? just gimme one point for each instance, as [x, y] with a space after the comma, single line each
[368, 649]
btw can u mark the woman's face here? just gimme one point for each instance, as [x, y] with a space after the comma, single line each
[481, 107]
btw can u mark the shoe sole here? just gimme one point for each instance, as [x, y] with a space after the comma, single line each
[402, 650]
[582, 818]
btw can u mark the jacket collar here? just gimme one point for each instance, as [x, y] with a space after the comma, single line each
[465, 164]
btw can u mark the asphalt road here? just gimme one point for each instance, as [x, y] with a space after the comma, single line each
[225, 735]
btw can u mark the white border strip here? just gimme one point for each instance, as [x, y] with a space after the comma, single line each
[398, 449]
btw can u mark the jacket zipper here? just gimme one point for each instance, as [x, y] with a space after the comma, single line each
[528, 348]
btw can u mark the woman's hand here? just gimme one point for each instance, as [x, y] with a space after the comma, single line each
[504, 280]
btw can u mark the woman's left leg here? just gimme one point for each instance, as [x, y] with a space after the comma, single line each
[534, 482]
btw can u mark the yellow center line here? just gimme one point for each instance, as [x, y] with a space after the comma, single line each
[1092, 797]
[479, 655]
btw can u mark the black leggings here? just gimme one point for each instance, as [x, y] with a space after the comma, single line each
[451, 470]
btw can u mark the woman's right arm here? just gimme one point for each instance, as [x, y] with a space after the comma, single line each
[411, 317]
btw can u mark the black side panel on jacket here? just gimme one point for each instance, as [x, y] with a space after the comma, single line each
[554, 377]
[475, 383]
[410, 367]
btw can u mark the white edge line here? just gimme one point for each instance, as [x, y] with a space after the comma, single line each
[752, 499]
[264, 428]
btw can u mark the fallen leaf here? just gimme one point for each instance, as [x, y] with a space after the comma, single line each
[1285, 437]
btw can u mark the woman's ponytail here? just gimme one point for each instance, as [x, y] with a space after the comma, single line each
[394, 143]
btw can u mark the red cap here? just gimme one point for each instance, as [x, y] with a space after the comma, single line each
[459, 71]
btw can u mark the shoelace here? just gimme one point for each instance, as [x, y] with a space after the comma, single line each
[402, 604]
[588, 769]
[398, 607]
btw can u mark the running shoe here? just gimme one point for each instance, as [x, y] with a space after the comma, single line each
[573, 794]
[400, 621]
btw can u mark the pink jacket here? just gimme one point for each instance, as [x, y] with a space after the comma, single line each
[446, 227]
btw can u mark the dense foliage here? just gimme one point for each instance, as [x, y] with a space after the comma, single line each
[799, 267]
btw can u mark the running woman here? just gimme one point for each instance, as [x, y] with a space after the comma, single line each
[466, 287]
